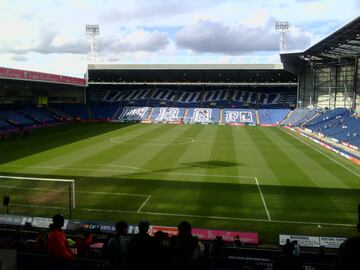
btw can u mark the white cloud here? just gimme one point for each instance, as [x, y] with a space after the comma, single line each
[138, 40]
[41, 33]
[216, 37]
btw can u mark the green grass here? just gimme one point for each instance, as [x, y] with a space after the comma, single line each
[168, 173]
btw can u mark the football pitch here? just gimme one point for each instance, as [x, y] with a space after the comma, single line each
[261, 179]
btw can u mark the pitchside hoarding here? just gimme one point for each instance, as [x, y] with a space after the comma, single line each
[312, 241]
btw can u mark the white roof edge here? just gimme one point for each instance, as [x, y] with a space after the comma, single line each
[182, 66]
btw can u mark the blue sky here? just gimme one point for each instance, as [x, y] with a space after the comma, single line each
[49, 35]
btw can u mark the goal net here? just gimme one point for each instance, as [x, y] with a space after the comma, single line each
[38, 196]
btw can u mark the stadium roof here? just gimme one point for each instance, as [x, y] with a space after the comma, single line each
[184, 74]
[34, 76]
[343, 43]
[184, 66]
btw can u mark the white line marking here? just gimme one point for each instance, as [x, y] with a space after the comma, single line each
[114, 165]
[317, 150]
[83, 192]
[190, 216]
[134, 172]
[37, 206]
[263, 199]
[78, 169]
[188, 141]
[114, 193]
[143, 204]
[208, 175]
[37, 179]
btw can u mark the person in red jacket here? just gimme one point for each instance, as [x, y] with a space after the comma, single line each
[60, 255]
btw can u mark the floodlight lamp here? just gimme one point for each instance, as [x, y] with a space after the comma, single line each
[282, 25]
[92, 29]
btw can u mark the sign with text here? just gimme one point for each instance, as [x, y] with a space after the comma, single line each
[312, 241]
[10, 73]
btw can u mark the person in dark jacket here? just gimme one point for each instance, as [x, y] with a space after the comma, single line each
[349, 251]
[184, 246]
[140, 248]
[116, 247]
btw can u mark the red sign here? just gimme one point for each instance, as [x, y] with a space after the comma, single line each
[9, 73]
[12, 73]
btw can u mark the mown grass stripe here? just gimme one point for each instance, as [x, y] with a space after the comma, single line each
[317, 168]
[296, 142]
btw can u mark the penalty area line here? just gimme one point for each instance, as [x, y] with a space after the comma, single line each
[143, 204]
[37, 179]
[263, 199]
[189, 216]
[81, 192]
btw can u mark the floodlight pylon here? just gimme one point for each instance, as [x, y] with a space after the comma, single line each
[282, 27]
[92, 30]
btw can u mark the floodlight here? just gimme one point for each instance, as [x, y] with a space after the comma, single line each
[92, 30]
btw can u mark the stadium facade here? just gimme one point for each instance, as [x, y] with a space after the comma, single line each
[329, 71]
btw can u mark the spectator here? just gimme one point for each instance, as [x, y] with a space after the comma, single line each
[140, 248]
[349, 251]
[288, 248]
[218, 246]
[18, 242]
[40, 243]
[296, 250]
[237, 242]
[185, 247]
[288, 261]
[115, 247]
[162, 251]
[83, 244]
[60, 254]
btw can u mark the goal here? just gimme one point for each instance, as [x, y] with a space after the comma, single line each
[38, 195]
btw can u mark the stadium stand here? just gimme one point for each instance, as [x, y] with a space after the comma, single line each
[239, 116]
[272, 116]
[162, 97]
[188, 99]
[167, 114]
[78, 111]
[103, 111]
[193, 97]
[4, 124]
[241, 98]
[135, 97]
[16, 118]
[98, 96]
[328, 115]
[127, 114]
[38, 114]
[108, 96]
[216, 97]
[203, 115]
[299, 116]
[338, 124]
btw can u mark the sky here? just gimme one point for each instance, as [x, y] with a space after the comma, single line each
[49, 35]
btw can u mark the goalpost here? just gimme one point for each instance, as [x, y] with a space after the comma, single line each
[63, 187]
